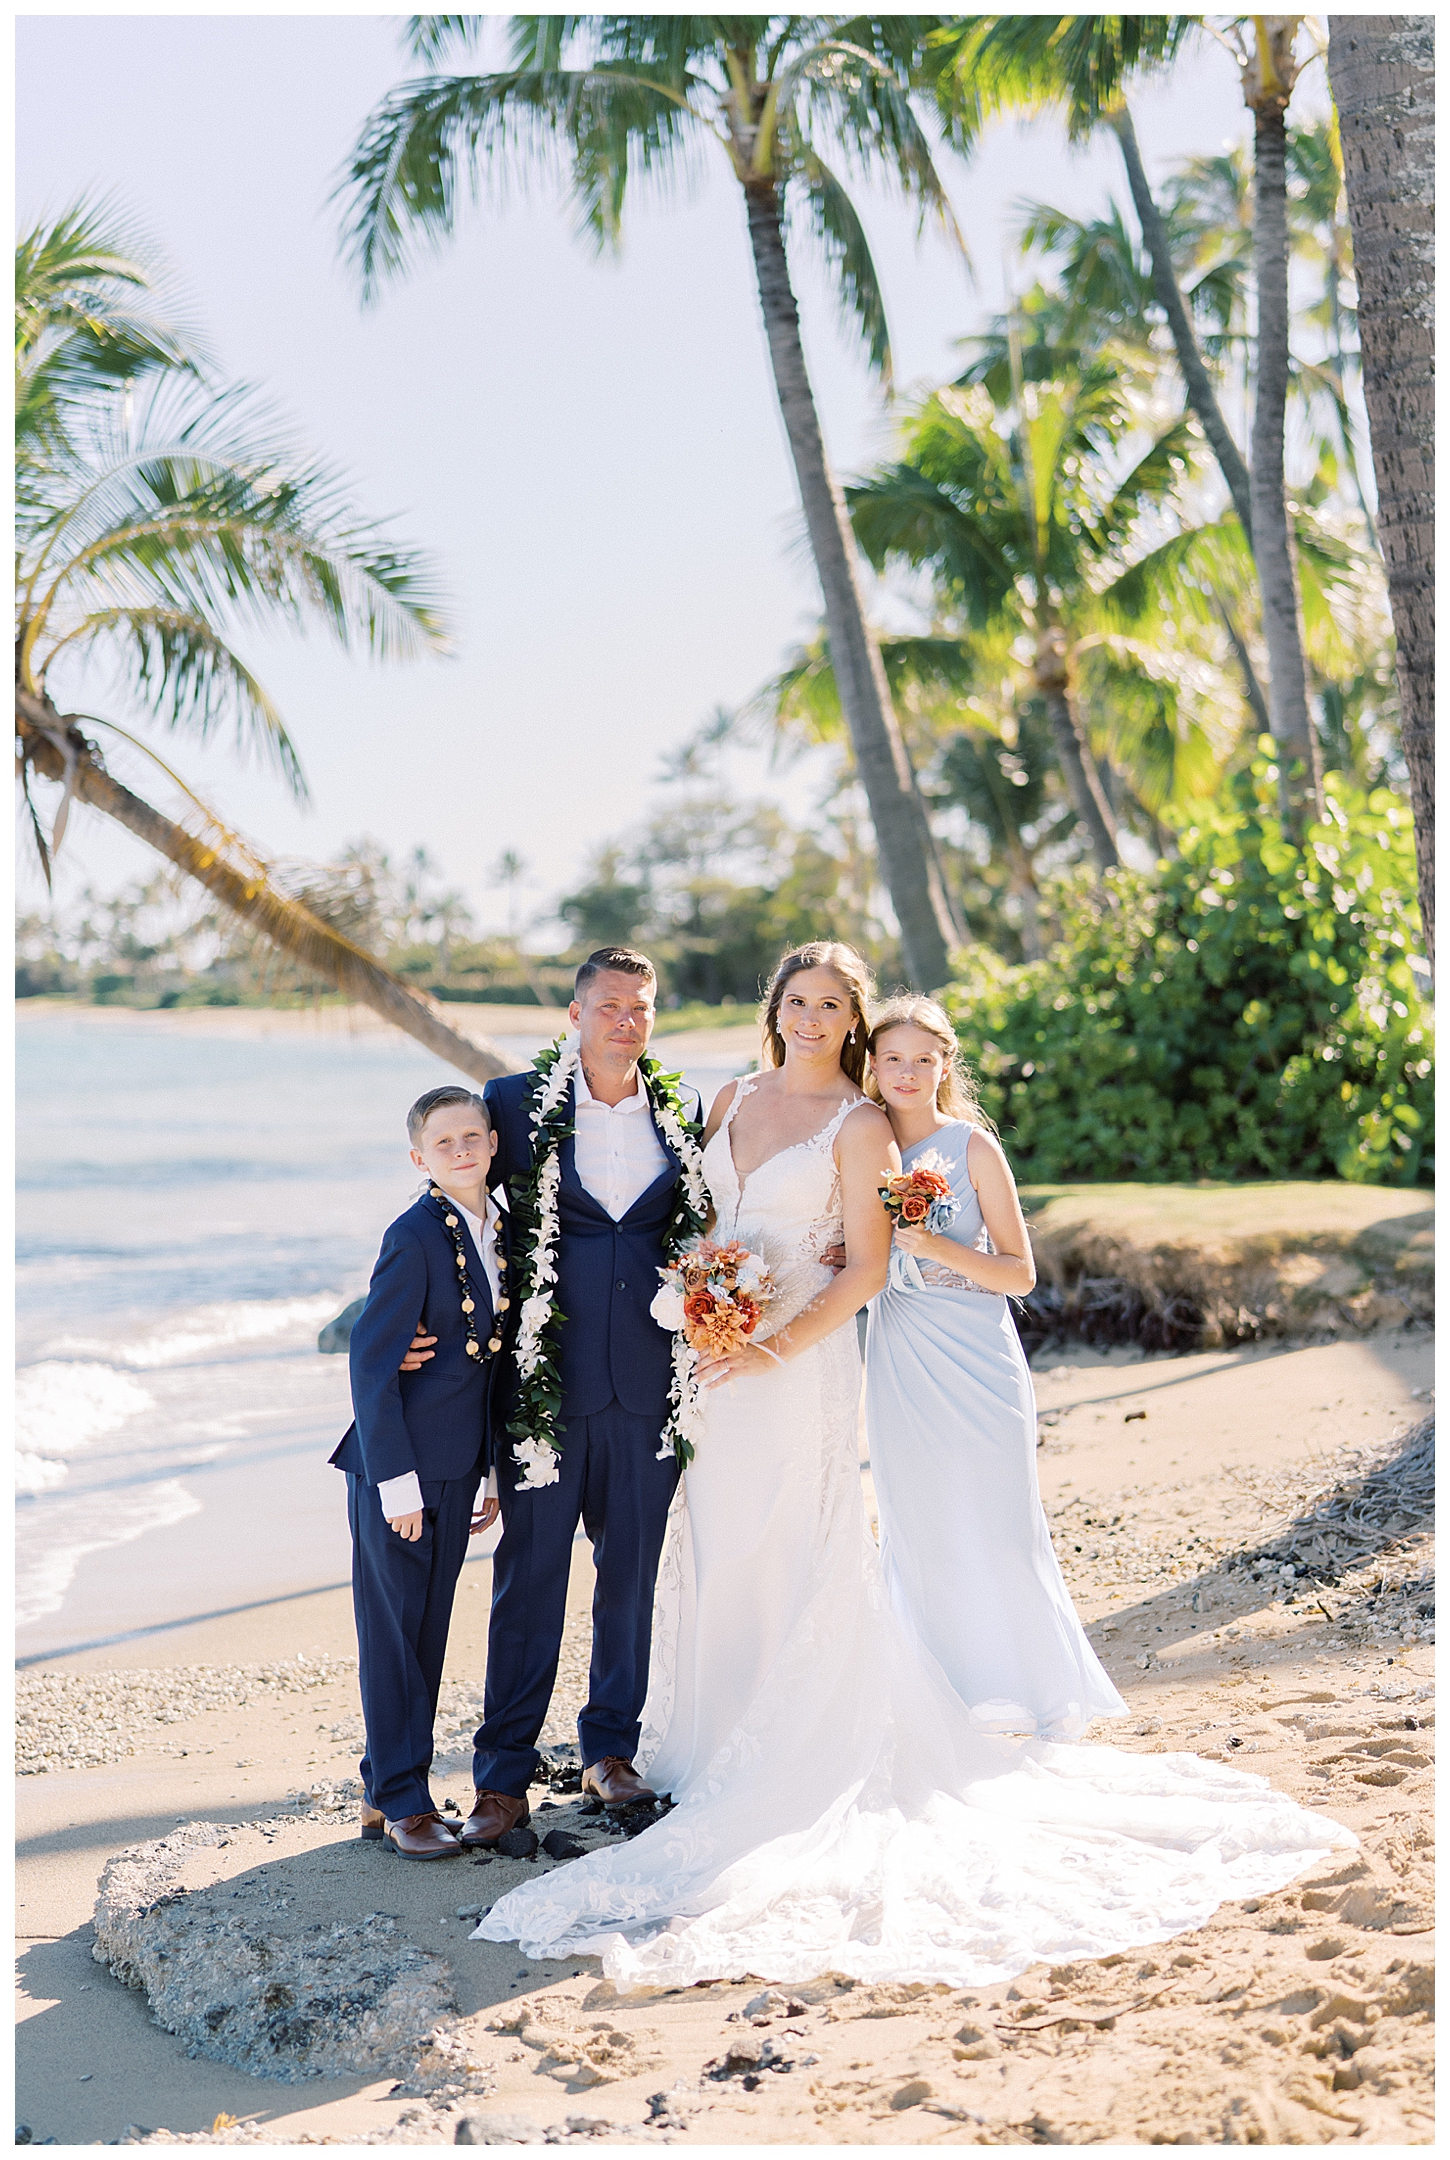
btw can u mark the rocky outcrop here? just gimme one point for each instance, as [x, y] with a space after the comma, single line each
[352, 1998]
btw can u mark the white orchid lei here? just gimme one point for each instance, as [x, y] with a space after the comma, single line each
[540, 1402]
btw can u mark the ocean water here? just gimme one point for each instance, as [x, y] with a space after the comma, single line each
[191, 1207]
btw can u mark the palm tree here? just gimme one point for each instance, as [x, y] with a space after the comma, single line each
[1016, 502]
[152, 513]
[1382, 70]
[988, 63]
[624, 95]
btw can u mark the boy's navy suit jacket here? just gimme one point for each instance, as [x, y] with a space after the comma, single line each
[609, 1347]
[439, 1421]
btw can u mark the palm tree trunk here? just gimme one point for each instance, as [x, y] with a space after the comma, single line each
[1382, 70]
[1195, 375]
[1288, 697]
[919, 893]
[289, 925]
[1073, 756]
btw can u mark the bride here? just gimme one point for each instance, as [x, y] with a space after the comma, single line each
[835, 1809]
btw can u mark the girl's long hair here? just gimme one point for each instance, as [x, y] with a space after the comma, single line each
[854, 976]
[956, 1094]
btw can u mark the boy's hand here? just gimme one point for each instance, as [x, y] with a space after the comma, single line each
[486, 1517]
[419, 1352]
[408, 1527]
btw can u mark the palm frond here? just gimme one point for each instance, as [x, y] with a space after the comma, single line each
[190, 675]
[430, 38]
[987, 64]
[432, 138]
[86, 319]
[840, 231]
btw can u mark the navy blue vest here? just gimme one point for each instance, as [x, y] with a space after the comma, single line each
[610, 1348]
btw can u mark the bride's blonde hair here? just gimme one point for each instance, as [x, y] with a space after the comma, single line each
[854, 976]
[956, 1094]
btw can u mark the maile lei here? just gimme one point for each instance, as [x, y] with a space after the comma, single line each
[535, 1199]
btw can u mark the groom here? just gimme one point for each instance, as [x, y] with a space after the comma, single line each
[619, 1194]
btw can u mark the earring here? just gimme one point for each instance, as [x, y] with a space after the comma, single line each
[852, 1036]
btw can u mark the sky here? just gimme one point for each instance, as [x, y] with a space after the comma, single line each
[589, 450]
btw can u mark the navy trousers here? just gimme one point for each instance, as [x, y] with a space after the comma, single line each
[402, 1596]
[610, 1474]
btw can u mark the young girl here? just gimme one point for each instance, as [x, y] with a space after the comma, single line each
[950, 1417]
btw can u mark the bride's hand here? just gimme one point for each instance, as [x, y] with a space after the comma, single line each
[749, 1359]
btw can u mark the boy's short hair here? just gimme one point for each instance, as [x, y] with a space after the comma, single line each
[619, 959]
[443, 1098]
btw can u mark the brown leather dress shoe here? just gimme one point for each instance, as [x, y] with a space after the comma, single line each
[371, 1824]
[494, 1813]
[421, 1837]
[616, 1783]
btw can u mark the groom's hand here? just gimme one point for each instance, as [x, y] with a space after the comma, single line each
[419, 1352]
[834, 1257]
[408, 1527]
[486, 1517]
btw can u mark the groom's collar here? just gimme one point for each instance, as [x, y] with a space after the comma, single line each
[584, 1095]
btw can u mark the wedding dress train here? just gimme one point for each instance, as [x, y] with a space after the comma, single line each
[836, 1810]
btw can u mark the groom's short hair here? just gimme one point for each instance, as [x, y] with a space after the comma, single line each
[616, 959]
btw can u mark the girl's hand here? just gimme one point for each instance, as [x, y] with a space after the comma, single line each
[711, 1372]
[912, 1238]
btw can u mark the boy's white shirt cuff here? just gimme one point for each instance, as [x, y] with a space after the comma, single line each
[404, 1495]
[401, 1495]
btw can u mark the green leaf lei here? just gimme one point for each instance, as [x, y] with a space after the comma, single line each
[539, 1400]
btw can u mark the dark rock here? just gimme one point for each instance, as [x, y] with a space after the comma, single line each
[560, 1768]
[517, 1845]
[497, 2130]
[590, 1806]
[560, 1846]
[337, 1334]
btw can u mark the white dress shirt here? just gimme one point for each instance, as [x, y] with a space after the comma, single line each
[618, 1152]
[404, 1495]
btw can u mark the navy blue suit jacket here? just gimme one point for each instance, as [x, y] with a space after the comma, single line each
[609, 1347]
[439, 1420]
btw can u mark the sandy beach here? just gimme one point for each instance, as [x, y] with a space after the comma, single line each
[220, 1756]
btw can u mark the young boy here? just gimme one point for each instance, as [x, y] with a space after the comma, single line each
[417, 1448]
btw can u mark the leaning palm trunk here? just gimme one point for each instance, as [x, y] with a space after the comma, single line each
[903, 834]
[1382, 68]
[1288, 700]
[1073, 756]
[1190, 360]
[58, 750]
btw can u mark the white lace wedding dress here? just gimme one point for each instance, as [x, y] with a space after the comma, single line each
[835, 1809]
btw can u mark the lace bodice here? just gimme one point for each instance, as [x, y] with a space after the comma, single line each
[788, 1208]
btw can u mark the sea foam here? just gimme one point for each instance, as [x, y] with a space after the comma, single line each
[61, 1407]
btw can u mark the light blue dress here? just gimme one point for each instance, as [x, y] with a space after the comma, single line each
[952, 1429]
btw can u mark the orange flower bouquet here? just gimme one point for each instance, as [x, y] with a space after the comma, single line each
[714, 1295]
[922, 1196]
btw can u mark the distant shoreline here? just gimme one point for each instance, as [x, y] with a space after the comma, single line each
[730, 1030]
[519, 1029]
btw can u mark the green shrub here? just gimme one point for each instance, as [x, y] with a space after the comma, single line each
[1246, 1011]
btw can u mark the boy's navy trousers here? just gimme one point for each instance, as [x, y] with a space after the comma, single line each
[402, 1595]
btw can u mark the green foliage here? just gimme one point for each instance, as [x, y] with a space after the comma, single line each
[1246, 1011]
